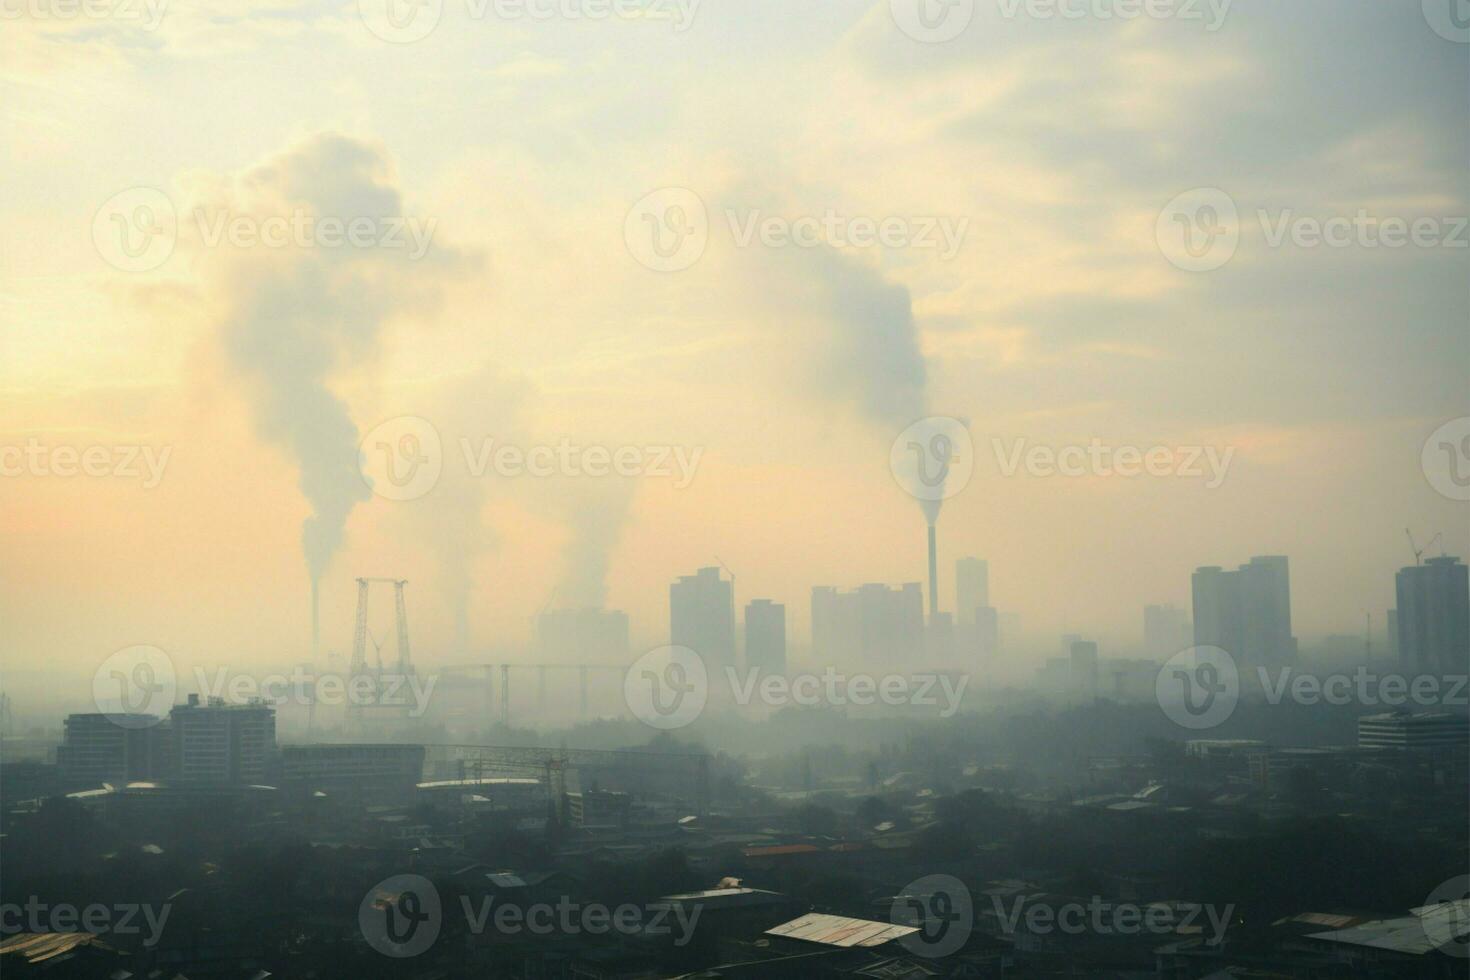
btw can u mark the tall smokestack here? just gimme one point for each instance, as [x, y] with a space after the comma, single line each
[316, 621]
[933, 575]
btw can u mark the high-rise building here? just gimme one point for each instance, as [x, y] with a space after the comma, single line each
[1434, 617]
[872, 622]
[702, 616]
[215, 742]
[765, 636]
[1166, 630]
[583, 636]
[110, 748]
[1246, 612]
[971, 588]
[1410, 730]
[1083, 655]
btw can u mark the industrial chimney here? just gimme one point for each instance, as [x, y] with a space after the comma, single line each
[933, 575]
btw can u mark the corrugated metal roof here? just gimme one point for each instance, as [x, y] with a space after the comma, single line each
[837, 930]
[1426, 930]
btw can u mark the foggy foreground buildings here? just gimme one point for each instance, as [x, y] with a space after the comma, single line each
[1433, 617]
[1246, 612]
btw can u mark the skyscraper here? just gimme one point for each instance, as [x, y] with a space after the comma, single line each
[1247, 612]
[702, 616]
[1165, 630]
[1434, 617]
[971, 588]
[873, 622]
[765, 636]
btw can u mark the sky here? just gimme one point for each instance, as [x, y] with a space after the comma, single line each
[537, 157]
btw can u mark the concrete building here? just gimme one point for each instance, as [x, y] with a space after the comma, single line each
[215, 742]
[872, 623]
[1166, 631]
[109, 748]
[1434, 617]
[765, 636]
[972, 589]
[702, 616]
[1246, 612]
[1409, 730]
[354, 767]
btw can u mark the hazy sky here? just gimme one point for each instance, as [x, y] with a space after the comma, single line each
[1053, 143]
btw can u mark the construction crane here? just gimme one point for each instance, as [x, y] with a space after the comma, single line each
[1418, 551]
[360, 632]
